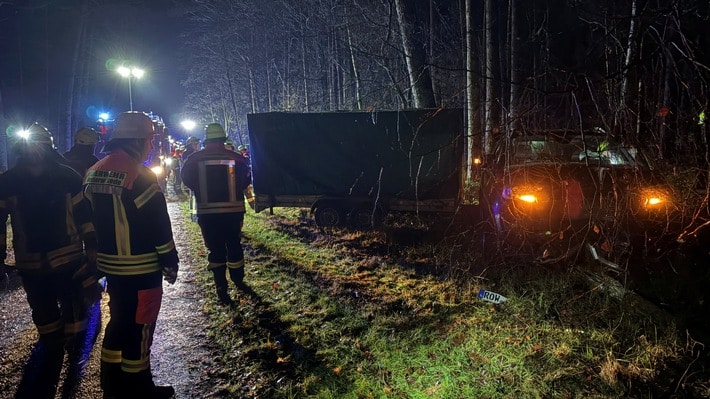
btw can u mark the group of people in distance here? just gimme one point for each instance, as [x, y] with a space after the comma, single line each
[75, 219]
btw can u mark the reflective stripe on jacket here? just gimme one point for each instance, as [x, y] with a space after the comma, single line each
[218, 178]
[51, 220]
[131, 217]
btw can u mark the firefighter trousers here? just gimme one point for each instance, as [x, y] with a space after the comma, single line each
[222, 233]
[59, 313]
[134, 304]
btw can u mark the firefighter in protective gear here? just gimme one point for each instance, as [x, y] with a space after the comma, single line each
[192, 145]
[244, 150]
[55, 251]
[136, 251]
[218, 178]
[229, 144]
[81, 156]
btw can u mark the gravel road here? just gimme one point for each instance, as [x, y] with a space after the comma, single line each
[181, 355]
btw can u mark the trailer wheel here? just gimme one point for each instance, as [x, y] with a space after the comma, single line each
[328, 216]
[365, 218]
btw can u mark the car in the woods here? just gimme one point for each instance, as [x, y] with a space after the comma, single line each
[563, 193]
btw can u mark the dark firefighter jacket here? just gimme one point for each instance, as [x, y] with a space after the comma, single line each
[51, 219]
[80, 158]
[131, 217]
[218, 178]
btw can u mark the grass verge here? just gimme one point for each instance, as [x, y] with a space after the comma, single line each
[343, 315]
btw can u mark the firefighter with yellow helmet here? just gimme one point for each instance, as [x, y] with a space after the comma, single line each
[136, 251]
[55, 250]
[81, 156]
[218, 177]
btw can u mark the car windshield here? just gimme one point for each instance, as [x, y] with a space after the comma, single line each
[590, 149]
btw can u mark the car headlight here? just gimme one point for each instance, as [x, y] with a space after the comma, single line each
[653, 199]
[529, 198]
[157, 170]
[527, 195]
[168, 161]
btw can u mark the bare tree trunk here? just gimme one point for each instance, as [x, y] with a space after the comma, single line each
[286, 78]
[665, 102]
[47, 89]
[488, 79]
[228, 71]
[472, 94]
[3, 138]
[268, 83]
[513, 68]
[623, 103]
[430, 53]
[304, 66]
[331, 66]
[79, 43]
[419, 72]
[356, 72]
[629, 54]
[252, 92]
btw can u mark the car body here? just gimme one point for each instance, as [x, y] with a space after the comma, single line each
[556, 192]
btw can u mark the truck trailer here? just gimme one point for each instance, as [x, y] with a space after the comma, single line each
[355, 167]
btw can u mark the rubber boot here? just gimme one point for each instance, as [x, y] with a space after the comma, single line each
[75, 363]
[237, 276]
[41, 374]
[141, 386]
[220, 282]
[51, 368]
[111, 380]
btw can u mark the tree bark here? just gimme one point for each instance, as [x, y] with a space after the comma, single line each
[472, 94]
[513, 67]
[72, 94]
[415, 57]
[356, 72]
[488, 79]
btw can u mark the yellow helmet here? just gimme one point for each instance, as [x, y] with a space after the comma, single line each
[86, 136]
[132, 125]
[215, 131]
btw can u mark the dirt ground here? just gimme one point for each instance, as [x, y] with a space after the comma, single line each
[181, 355]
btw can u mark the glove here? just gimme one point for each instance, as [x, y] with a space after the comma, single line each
[5, 268]
[86, 283]
[170, 274]
[4, 271]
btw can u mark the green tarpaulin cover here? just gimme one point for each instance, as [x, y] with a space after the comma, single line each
[412, 154]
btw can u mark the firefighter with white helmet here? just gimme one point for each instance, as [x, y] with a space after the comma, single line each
[136, 251]
[55, 250]
[81, 156]
[218, 177]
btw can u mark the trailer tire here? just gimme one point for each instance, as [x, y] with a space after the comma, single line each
[328, 216]
[365, 218]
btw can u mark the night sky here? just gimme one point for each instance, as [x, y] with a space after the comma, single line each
[145, 33]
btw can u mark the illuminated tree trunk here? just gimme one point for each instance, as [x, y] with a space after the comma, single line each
[415, 57]
[488, 79]
[356, 72]
[513, 67]
[304, 66]
[472, 119]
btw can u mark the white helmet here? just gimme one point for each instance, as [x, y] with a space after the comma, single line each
[132, 125]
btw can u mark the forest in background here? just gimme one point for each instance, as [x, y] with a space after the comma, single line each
[638, 69]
